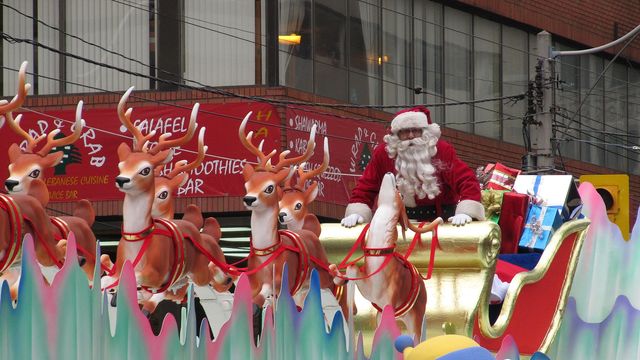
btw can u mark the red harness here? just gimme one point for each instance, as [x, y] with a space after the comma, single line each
[15, 232]
[390, 253]
[275, 250]
[179, 244]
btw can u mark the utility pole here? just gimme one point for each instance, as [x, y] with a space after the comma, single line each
[541, 129]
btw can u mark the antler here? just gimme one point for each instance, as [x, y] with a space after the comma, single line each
[303, 176]
[311, 144]
[77, 131]
[182, 166]
[139, 141]
[23, 88]
[164, 144]
[51, 142]
[15, 126]
[263, 160]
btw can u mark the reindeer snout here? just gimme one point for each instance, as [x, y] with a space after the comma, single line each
[248, 200]
[10, 184]
[281, 217]
[120, 180]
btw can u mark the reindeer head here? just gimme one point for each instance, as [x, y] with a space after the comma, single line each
[262, 182]
[294, 205]
[136, 164]
[166, 185]
[29, 164]
[391, 210]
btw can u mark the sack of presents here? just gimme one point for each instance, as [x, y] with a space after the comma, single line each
[530, 209]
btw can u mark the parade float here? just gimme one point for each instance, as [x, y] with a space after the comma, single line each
[289, 277]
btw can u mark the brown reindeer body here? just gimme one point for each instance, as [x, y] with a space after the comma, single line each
[25, 211]
[27, 165]
[164, 208]
[393, 281]
[161, 261]
[271, 249]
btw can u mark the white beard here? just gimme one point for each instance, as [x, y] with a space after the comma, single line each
[415, 174]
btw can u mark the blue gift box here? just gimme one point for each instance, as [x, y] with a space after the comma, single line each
[552, 190]
[541, 223]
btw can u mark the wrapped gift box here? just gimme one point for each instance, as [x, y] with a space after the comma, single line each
[552, 190]
[542, 222]
[512, 216]
[500, 177]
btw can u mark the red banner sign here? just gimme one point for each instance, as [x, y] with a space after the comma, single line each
[351, 144]
[91, 164]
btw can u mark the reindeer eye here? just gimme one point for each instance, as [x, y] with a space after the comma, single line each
[298, 206]
[145, 171]
[269, 189]
[35, 173]
[163, 195]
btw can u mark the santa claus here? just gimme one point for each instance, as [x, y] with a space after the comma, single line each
[430, 176]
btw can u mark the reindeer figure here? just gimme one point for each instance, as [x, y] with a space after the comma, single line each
[48, 251]
[294, 206]
[393, 280]
[22, 214]
[300, 250]
[164, 253]
[164, 208]
[29, 164]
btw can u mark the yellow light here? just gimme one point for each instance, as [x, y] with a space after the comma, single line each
[292, 39]
[383, 59]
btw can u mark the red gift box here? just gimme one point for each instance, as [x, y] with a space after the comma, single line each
[512, 220]
[501, 177]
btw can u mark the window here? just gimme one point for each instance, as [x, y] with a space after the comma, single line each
[568, 127]
[427, 50]
[395, 59]
[615, 116]
[296, 67]
[515, 78]
[634, 119]
[486, 70]
[591, 113]
[364, 52]
[330, 47]
[457, 68]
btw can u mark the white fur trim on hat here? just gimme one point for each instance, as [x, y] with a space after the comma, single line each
[409, 120]
[361, 209]
[471, 208]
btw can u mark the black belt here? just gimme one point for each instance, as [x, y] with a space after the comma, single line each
[429, 213]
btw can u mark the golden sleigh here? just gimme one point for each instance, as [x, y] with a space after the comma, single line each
[458, 291]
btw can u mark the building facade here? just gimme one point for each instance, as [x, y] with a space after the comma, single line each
[388, 53]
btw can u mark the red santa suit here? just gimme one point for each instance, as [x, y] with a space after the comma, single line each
[458, 184]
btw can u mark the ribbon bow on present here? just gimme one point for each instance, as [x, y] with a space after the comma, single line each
[537, 228]
[535, 200]
[492, 202]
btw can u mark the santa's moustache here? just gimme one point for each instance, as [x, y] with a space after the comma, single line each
[415, 172]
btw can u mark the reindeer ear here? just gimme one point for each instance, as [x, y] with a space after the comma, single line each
[247, 172]
[311, 192]
[14, 152]
[38, 190]
[123, 151]
[52, 159]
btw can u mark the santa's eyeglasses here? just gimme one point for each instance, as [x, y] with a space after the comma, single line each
[406, 134]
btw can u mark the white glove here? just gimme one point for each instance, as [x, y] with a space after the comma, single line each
[352, 220]
[460, 219]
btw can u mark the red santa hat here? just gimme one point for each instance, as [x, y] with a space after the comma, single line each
[417, 117]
